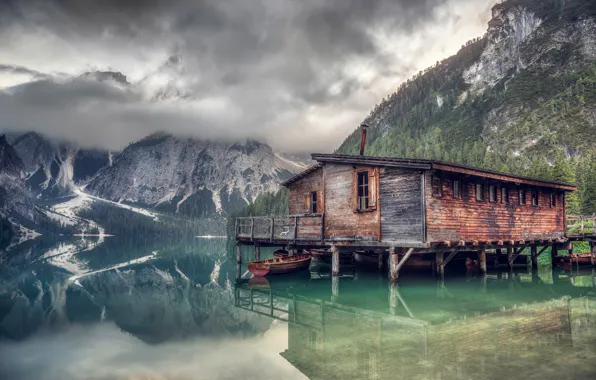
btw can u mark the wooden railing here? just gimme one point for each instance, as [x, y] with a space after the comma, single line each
[280, 228]
[581, 225]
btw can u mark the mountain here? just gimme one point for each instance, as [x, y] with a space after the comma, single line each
[53, 168]
[193, 177]
[522, 99]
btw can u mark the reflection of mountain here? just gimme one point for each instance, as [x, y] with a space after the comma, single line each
[170, 296]
[411, 332]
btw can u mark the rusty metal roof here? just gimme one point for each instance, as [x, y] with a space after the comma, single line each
[422, 164]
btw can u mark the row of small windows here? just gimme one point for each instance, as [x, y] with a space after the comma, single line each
[479, 189]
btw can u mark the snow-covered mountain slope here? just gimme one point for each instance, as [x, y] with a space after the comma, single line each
[53, 168]
[193, 177]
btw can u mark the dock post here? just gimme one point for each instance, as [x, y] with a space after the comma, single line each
[554, 252]
[509, 259]
[534, 253]
[393, 264]
[593, 251]
[440, 263]
[238, 254]
[498, 253]
[393, 298]
[334, 288]
[257, 252]
[482, 260]
[380, 260]
[570, 248]
[334, 261]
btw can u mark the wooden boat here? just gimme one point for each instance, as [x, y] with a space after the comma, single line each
[281, 253]
[323, 256]
[279, 265]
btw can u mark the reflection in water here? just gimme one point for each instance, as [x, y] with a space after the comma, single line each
[125, 309]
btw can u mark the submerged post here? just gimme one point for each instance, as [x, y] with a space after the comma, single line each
[440, 264]
[334, 288]
[509, 259]
[393, 298]
[334, 261]
[482, 260]
[393, 265]
[534, 254]
[238, 254]
[257, 252]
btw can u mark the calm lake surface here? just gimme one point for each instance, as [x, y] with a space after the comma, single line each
[132, 309]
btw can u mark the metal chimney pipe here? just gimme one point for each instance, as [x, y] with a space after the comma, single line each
[363, 141]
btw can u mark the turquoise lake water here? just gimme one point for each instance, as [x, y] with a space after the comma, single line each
[132, 309]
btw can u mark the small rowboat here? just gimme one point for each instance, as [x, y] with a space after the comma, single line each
[281, 253]
[279, 265]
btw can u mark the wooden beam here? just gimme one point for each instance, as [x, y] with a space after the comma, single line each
[405, 258]
[451, 256]
[334, 261]
[509, 258]
[393, 264]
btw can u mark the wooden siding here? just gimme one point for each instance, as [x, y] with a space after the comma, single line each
[401, 205]
[341, 221]
[302, 188]
[450, 219]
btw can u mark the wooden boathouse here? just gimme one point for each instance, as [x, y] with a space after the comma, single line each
[396, 208]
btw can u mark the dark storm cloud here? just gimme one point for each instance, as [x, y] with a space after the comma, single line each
[239, 68]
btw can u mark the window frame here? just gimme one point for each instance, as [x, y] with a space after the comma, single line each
[456, 189]
[436, 181]
[521, 194]
[314, 202]
[372, 187]
[504, 195]
[492, 190]
[365, 187]
[478, 186]
[535, 197]
[553, 200]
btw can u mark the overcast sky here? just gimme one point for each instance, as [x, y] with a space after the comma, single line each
[299, 75]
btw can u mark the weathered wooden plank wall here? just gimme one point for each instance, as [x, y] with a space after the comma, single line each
[401, 205]
[302, 188]
[466, 218]
[340, 219]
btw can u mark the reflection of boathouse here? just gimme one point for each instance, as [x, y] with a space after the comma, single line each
[409, 339]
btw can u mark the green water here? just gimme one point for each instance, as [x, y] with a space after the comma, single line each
[133, 309]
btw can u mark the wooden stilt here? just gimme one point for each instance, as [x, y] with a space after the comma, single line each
[554, 252]
[257, 252]
[393, 265]
[238, 254]
[393, 298]
[334, 288]
[570, 248]
[380, 260]
[534, 254]
[498, 253]
[593, 250]
[509, 259]
[440, 263]
[482, 260]
[334, 261]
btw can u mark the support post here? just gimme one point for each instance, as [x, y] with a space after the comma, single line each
[334, 261]
[534, 253]
[334, 288]
[238, 254]
[393, 298]
[440, 263]
[554, 252]
[593, 251]
[393, 265]
[380, 260]
[510, 259]
[498, 253]
[257, 252]
[482, 260]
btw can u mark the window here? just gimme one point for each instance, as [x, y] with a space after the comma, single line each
[436, 186]
[504, 195]
[456, 189]
[522, 197]
[534, 197]
[313, 202]
[553, 200]
[363, 194]
[492, 193]
[479, 192]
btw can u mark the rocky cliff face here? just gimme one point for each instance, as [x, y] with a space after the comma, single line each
[193, 177]
[526, 88]
[54, 168]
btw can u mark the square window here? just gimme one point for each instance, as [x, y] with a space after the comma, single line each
[479, 192]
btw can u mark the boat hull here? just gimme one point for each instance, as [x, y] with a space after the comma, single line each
[279, 265]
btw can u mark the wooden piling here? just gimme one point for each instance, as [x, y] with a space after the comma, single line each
[334, 261]
[534, 254]
[554, 252]
[238, 254]
[509, 259]
[498, 253]
[440, 263]
[380, 260]
[593, 250]
[393, 265]
[482, 260]
[257, 252]
[393, 298]
[334, 288]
